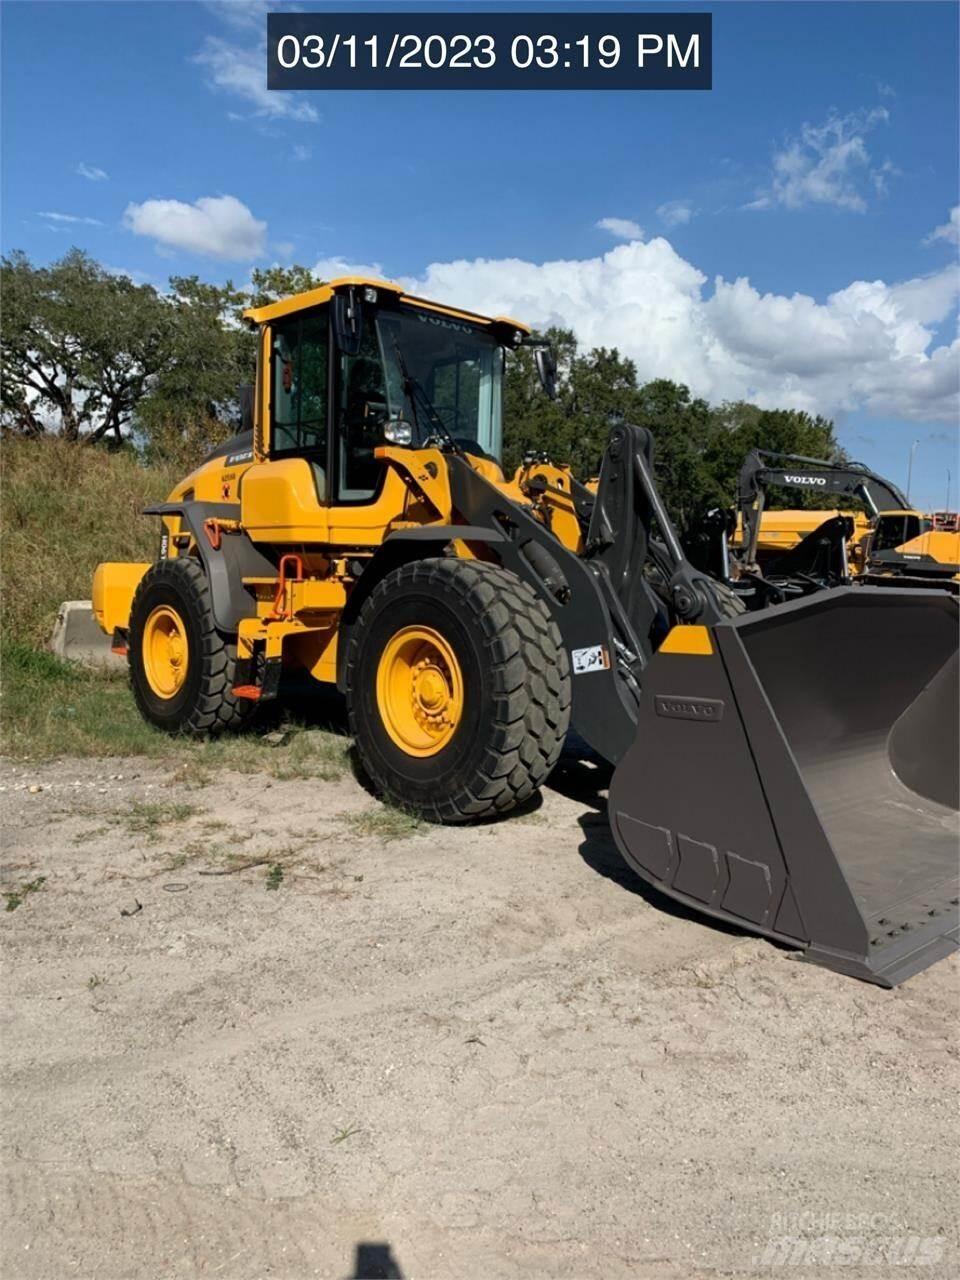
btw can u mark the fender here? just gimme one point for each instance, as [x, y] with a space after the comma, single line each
[226, 566]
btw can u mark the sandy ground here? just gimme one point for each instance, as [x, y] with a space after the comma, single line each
[470, 1053]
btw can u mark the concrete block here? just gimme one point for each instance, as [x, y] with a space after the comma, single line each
[77, 637]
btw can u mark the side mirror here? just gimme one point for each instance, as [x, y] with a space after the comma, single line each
[347, 322]
[547, 369]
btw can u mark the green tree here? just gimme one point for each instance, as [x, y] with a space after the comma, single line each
[595, 389]
[79, 347]
[740, 427]
[272, 283]
[531, 421]
[193, 402]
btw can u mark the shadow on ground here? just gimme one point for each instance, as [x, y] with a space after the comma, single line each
[306, 702]
[374, 1260]
[583, 776]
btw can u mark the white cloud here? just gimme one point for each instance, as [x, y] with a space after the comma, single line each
[331, 268]
[867, 346]
[676, 213]
[300, 152]
[91, 172]
[622, 228]
[827, 164]
[71, 218]
[131, 273]
[221, 226]
[880, 177]
[243, 71]
[949, 231]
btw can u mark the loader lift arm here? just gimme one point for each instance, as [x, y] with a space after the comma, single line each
[604, 603]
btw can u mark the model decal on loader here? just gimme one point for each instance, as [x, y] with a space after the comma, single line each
[453, 605]
[593, 658]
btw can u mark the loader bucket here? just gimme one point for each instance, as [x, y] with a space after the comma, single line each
[794, 773]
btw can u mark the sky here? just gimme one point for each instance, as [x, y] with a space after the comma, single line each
[790, 237]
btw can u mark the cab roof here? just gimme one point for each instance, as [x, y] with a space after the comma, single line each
[503, 327]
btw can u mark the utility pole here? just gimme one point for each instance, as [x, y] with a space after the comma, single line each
[913, 450]
[947, 506]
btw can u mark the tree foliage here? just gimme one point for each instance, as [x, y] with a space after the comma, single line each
[89, 355]
[699, 449]
[80, 347]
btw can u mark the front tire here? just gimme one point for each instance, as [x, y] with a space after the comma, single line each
[458, 689]
[181, 666]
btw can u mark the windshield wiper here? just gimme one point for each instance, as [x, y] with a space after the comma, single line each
[413, 389]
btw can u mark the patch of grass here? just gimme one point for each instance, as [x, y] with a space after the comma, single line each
[308, 753]
[84, 837]
[191, 775]
[66, 507]
[53, 709]
[275, 876]
[17, 897]
[343, 1134]
[145, 818]
[388, 822]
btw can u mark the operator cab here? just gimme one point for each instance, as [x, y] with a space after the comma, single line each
[894, 528]
[359, 364]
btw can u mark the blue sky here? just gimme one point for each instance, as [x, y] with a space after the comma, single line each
[817, 179]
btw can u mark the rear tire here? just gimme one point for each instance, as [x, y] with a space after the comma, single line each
[494, 664]
[181, 666]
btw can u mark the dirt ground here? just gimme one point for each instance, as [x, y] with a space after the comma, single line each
[479, 1053]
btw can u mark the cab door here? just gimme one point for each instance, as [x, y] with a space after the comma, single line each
[364, 494]
[286, 498]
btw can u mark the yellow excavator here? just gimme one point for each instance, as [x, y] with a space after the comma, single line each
[782, 554]
[792, 771]
[904, 551]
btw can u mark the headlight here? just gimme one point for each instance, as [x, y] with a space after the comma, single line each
[399, 432]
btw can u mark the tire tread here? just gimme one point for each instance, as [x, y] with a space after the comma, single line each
[216, 709]
[531, 675]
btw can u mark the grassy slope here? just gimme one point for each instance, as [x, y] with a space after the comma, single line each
[65, 508]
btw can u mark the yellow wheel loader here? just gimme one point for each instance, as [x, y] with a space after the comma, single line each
[788, 770]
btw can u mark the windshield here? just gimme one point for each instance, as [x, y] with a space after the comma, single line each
[458, 367]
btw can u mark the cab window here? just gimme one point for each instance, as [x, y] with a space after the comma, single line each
[894, 530]
[298, 394]
[458, 368]
[361, 417]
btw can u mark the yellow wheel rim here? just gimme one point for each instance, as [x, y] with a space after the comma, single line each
[165, 651]
[419, 691]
